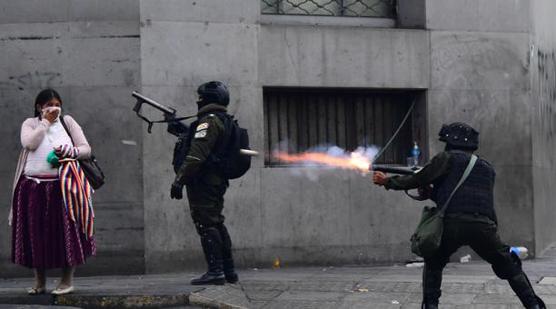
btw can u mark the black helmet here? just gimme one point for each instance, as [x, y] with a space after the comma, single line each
[459, 135]
[214, 92]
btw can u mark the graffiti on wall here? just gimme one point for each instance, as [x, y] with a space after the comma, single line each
[33, 80]
[546, 96]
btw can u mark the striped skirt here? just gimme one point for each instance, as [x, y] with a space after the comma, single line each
[43, 235]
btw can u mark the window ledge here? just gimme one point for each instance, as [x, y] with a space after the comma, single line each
[307, 20]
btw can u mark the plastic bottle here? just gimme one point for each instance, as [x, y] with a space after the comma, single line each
[415, 153]
[521, 252]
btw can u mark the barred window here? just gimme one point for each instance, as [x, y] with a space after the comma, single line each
[298, 119]
[358, 8]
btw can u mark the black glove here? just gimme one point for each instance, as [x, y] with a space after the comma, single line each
[177, 191]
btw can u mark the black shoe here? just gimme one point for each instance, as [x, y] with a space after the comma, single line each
[540, 304]
[231, 277]
[209, 278]
[522, 287]
[229, 270]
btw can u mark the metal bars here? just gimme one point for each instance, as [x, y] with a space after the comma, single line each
[299, 119]
[354, 8]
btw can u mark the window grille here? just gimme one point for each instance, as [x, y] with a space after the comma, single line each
[357, 8]
[298, 119]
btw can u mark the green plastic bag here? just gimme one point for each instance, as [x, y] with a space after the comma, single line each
[428, 235]
[53, 159]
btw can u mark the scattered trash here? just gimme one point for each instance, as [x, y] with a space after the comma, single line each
[415, 259]
[276, 263]
[395, 302]
[129, 142]
[415, 265]
[255, 269]
[362, 290]
[465, 259]
[521, 252]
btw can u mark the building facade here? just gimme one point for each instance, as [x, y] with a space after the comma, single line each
[301, 74]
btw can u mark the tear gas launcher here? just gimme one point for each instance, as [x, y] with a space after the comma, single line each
[169, 112]
[175, 126]
[402, 170]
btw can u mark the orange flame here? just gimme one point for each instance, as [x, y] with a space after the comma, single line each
[352, 161]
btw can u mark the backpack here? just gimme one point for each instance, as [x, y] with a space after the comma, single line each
[226, 157]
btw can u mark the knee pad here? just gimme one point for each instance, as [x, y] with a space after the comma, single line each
[207, 231]
[204, 230]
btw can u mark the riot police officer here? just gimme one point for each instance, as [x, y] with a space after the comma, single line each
[469, 219]
[205, 186]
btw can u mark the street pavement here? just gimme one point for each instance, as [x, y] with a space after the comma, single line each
[465, 285]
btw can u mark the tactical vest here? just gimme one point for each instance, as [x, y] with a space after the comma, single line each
[475, 195]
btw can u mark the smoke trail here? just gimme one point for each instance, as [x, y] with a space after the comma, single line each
[328, 157]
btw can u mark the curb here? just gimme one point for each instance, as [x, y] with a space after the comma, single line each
[122, 301]
[196, 299]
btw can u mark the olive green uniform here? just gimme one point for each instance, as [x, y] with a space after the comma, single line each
[206, 188]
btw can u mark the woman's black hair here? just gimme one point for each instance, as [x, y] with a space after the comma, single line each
[45, 96]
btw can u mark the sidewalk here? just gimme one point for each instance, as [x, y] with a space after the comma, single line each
[467, 285]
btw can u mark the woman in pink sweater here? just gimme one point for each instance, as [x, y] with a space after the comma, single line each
[44, 236]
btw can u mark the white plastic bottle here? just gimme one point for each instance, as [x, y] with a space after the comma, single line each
[521, 252]
[415, 153]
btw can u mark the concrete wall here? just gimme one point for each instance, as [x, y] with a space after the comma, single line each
[543, 119]
[185, 43]
[271, 212]
[89, 52]
[480, 74]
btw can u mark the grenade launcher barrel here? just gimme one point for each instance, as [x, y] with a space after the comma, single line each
[143, 99]
[402, 170]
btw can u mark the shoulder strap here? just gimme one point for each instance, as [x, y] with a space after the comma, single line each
[63, 122]
[466, 173]
[228, 122]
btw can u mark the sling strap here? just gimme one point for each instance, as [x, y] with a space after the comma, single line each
[466, 173]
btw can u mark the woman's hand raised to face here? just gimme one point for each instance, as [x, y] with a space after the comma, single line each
[51, 114]
[51, 110]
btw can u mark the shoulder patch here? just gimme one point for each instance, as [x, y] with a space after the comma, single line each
[201, 134]
[202, 126]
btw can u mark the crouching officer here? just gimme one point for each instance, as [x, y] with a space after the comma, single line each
[206, 187]
[469, 219]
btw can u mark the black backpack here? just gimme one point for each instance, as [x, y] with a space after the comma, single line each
[226, 157]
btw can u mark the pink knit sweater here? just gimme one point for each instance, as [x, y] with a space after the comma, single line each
[33, 131]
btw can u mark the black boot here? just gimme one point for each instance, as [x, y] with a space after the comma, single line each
[229, 271]
[522, 287]
[228, 261]
[212, 248]
[432, 279]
